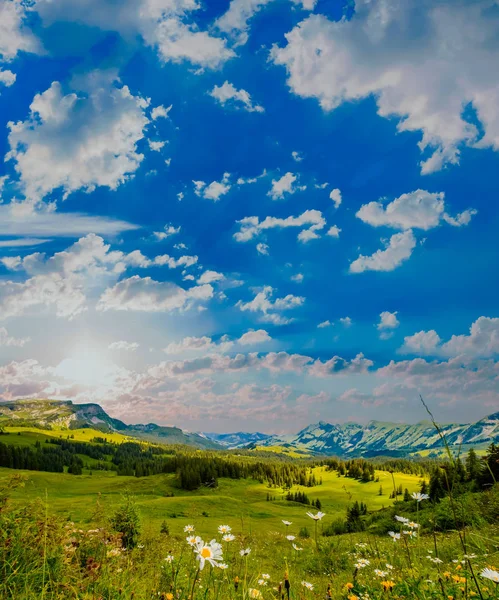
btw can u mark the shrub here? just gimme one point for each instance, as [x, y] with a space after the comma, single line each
[304, 533]
[126, 520]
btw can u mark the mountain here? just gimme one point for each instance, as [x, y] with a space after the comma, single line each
[379, 438]
[238, 440]
[54, 414]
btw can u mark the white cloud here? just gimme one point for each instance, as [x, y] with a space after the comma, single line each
[262, 249]
[253, 337]
[123, 345]
[298, 278]
[482, 341]
[357, 365]
[23, 242]
[284, 185]
[156, 146]
[398, 249]
[211, 277]
[8, 340]
[148, 295]
[15, 37]
[190, 344]
[406, 55]
[168, 231]
[160, 23]
[16, 221]
[335, 196]
[309, 221]
[60, 282]
[324, 324]
[235, 21]
[297, 156]
[227, 93]
[346, 321]
[78, 141]
[160, 112]
[334, 231]
[215, 190]
[416, 210]
[388, 322]
[7, 78]
[270, 310]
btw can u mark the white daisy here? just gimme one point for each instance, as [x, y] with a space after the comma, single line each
[245, 552]
[490, 574]
[307, 585]
[189, 529]
[228, 537]
[316, 517]
[419, 497]
[211, 552]
[223, 529]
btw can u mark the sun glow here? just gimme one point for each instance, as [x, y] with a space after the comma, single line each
[88, 367]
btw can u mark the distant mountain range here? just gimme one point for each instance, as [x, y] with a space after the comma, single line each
[374, 439]
[344, 440]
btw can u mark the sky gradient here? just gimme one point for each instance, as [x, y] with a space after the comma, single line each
[251, 215]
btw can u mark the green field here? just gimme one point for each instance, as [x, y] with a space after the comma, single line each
[75, 496]
[58, 538]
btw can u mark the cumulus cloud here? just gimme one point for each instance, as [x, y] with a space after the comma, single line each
[270, 309]
[310, 222]
[482, 341]
[358, 365]
[7, 78]
[397, 250]
[228, 94]
[253, 337]
[333, 231]
[211, 277]
[262, 249]
[406, 56]
[346, 321]
[15, 37]
[235, 21]
[388, 322]
[60, 282]
[335, 196]
[161, 24]
[215, 190]
[123, 345]
[224, 344]
[285, 185]
[143, 294]
[168, 231]
[160, 112]
[74, 141]
[297, 156]
[298, 278]
[324, 324]
[416, 210]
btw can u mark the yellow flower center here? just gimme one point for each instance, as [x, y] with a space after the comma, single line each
[205, 552]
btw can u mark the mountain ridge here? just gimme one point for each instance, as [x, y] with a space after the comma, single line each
[341, 439]
[48, 414]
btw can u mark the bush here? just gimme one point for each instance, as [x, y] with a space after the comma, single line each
[337, 527]
[304, 533]
[126, 521]
[165, 528]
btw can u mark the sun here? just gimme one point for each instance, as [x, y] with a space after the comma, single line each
[88, 367]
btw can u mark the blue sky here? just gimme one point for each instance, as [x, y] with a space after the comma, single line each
[250, 215]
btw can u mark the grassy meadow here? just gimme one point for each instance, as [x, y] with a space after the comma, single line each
[59, 538]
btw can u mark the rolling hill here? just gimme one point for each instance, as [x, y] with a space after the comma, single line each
[54, 414]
